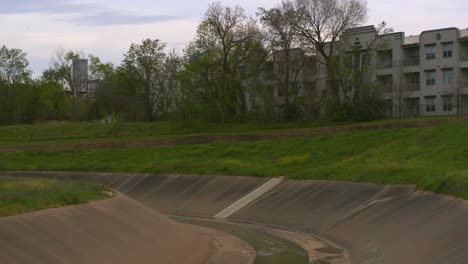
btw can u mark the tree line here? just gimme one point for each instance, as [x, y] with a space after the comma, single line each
[221, 75]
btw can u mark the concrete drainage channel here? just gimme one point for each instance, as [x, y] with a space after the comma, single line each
[335, 222]
[272, 246]
[269, 248]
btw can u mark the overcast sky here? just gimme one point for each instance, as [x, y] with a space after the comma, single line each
[106, 28]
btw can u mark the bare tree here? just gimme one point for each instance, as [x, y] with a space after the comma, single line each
[321, 23]
[61, 71]
[283, 38]
[402, 91]
[382, 28]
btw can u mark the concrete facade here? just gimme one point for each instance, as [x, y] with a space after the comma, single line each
[423, 75]
[303, 77]
[84, 86]
[80, 75]
[428, 74]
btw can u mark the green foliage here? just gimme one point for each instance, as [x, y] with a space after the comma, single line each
[432, 158]
[226, 53]
[13, 66]
[368, 107]
[19, 195]
[143, 64]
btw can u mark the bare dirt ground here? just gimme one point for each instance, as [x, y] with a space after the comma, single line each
[207, 139]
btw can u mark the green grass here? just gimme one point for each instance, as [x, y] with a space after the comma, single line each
[434, 158]
[95, 132]
[78, 132]
[18, 195]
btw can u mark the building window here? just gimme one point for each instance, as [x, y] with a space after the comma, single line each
[448, 76]
[348, 62]
[430, 78]
[430, 104]
[281, 91]
[430, 52]
[448, 102]
[294, 86]
[413, 82]
[281, 69]
[448, 50]
[366, 60]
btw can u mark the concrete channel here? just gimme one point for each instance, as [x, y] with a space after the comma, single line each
[370, 223]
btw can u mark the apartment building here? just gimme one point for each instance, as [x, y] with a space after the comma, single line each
[423, 75]
[299, 87]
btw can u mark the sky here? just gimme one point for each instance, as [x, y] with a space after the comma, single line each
[106, 28]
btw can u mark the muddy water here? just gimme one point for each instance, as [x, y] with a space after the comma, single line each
[270, 249]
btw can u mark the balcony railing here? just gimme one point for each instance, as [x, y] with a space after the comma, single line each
[385, 65]
[464, 56]
[411, 87]
[411, 62]
[387, 88]
[465, 83]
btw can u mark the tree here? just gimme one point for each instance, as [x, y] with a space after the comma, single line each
[228, 50]
[360, 93]
[99, 70]
[321, 23]
[169, 87]
[14, 65]
[61, 72]
[283, 38]
[144, 64]
[14, 72]
[383, 28]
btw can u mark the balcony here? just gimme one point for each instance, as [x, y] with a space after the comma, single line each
[464, 56]
[464, 83]
[412, 87]
[386, 88]
[411, 62]
[384, 65]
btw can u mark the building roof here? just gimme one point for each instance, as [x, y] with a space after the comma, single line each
[411, 40]
[414, 39]
[464, 33]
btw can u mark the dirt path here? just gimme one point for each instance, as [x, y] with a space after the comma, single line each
[207, 139]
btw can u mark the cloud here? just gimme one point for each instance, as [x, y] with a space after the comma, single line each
[43, 6]
[82, 13]
[117, 18]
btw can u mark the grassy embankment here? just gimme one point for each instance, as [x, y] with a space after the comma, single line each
[434, 158]
[19, 195]
[95, 132]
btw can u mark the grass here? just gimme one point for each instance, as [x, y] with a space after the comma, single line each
[78, 132]
[19, 195]
[95, 132]
[434, 158]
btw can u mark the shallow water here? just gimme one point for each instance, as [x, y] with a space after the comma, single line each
[270, 249]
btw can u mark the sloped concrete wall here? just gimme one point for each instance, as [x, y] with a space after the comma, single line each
[185, 195]
[118, 230]
[375, 223]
